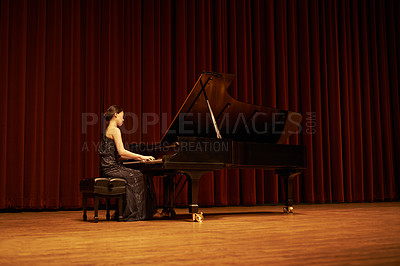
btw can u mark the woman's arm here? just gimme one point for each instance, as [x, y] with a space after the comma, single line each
[125, 154]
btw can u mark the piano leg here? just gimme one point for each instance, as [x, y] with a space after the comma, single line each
[193, 193]
[169, 196]
[288, 177]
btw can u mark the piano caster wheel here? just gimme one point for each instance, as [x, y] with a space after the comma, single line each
[96, 219]
[85, 217]
[197, 217]
[288, 209]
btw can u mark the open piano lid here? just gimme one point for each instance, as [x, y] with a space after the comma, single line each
[234, 119]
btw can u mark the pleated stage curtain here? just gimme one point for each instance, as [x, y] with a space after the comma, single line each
[62, 63]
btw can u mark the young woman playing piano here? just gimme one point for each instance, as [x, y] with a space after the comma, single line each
[140, 199]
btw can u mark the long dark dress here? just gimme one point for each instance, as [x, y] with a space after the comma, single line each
[140, 199]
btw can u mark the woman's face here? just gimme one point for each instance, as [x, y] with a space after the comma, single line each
[120, 118]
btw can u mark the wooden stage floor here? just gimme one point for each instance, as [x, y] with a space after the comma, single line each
[326, 234]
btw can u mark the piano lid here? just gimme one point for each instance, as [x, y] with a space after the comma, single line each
[235, 120]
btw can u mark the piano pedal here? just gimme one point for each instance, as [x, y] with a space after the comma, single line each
[172, 214]
[288, 209]
[198, 217]
[168, 213]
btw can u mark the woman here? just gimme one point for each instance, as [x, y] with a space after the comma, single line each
[140, 199]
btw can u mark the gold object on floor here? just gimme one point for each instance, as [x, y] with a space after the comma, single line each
[197, 217]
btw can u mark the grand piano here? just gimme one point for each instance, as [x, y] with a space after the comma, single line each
[213, 131]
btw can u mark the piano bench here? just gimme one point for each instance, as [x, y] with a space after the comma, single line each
[102, 187]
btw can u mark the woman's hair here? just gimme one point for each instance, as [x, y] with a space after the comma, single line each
[108, 115]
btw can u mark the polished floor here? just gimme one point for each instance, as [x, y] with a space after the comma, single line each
[324, 234]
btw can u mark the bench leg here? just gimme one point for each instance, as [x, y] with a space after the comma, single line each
[120, 213]
[108, 209]
[84, 203]
[96, 209]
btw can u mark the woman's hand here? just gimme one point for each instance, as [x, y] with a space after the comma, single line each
[146, 158]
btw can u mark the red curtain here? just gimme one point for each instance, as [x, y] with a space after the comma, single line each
[62, 63]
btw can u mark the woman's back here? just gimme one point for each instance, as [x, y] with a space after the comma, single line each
[108, 155]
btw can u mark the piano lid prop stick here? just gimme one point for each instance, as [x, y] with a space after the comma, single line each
[213, 119]
[209, 108]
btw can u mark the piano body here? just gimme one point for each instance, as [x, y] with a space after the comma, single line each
[213, 131]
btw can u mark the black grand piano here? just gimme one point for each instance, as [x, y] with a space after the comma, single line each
[213, 131]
